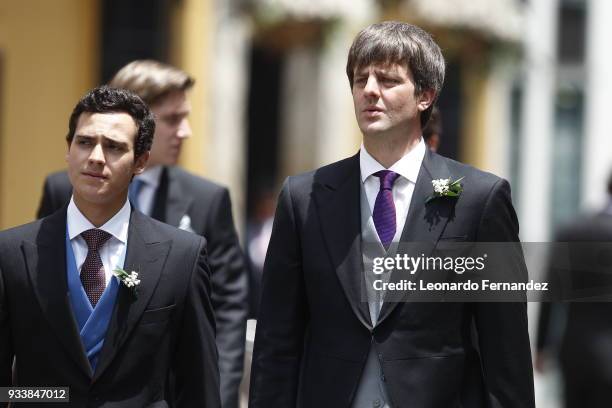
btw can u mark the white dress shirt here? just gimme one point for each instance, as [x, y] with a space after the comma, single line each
[146, 194]
[113, 251]
[407, 167]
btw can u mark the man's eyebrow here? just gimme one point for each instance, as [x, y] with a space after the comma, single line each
[378, 70]
[105, 138]
[81, 136]
[109, 139]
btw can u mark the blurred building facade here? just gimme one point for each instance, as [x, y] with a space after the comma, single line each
[297, 99]
[524, 97]
[52, 52]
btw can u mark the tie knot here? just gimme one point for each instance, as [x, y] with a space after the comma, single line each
[95, 238]
[387, 178]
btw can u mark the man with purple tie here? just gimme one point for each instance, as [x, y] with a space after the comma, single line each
[319, 341]
[98, 297]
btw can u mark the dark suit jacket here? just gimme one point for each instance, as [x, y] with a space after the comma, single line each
[314, 332]
[209, 207]
[581, 331]
[170, 325]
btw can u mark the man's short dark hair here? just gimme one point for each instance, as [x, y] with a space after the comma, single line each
[105, 99]
[391, 42]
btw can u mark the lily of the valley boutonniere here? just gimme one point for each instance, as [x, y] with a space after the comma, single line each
[446, 188]
[130, 280]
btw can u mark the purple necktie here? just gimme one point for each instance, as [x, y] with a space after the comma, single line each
[92, 271]
[384, 208]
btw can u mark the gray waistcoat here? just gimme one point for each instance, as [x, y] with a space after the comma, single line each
[371, 392]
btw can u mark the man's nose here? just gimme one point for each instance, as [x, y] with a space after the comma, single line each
[97, 154]
[371, 87]
[184, 130]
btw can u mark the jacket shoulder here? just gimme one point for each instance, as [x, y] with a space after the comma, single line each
[586, 227]
[13, 237]
[59, 179]
[195, 184]
[331, 175]
[471, 172]
[479, 182]
[162, 230]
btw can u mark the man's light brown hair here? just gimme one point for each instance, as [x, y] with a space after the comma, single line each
[401, 43]
[151, 80]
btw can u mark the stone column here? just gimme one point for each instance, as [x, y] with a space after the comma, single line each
[538, 119]
[597, 153]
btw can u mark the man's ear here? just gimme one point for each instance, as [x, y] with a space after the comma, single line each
[141, 162]
[426, 99]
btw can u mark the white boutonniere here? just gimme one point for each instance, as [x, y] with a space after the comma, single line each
[185, 224]
[446, 188]
[130, 280]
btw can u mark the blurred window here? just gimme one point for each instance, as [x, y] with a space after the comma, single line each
[135, 29]
[569, 113]
[516, 109]
[571, 31]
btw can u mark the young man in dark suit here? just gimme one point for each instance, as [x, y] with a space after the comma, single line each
[176, 197]
[319, 341]
[98, 297]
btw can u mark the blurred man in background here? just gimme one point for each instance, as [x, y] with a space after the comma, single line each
[174, 196]
[579, 333]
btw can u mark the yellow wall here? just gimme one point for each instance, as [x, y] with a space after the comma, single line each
[473, 142]
[192, 26]
[50, 58]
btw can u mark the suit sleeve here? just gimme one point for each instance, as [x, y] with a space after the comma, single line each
[283, 315]
[503, 337]
[195, 365]
[229, 297]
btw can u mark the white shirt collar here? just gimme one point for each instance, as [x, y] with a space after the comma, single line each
[117, 226]
[151, 176]
[408, 166]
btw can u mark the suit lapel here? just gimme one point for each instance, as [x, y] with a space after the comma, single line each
[145, 255]
[171, 203]
[46, 263]
[337, 196]
[424, 222]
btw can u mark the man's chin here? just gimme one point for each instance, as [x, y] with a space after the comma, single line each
[170, 162]
[374, 130]
[167, 161]
[92, 196]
